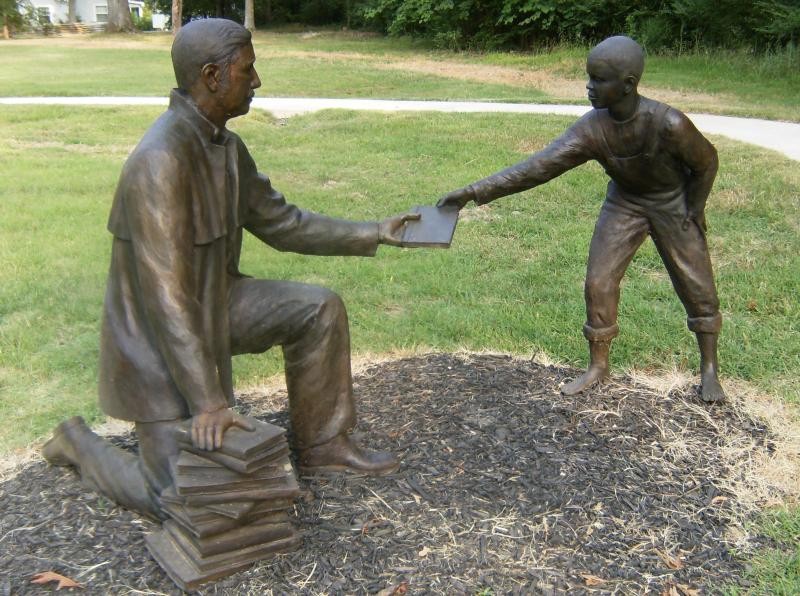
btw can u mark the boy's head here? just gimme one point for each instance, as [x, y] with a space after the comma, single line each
[614, 67]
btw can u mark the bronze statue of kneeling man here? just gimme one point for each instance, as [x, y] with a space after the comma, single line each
[177, 307]
[662, 170]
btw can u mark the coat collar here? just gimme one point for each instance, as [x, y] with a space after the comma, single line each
[182, 103]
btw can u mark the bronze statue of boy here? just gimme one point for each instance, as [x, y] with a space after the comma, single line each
[177, 308]
[661, 171]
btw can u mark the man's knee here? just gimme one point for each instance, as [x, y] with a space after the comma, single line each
[330, 306]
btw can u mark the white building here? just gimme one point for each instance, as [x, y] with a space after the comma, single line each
[91, 12]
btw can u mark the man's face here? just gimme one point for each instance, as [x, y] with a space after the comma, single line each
[606, 86]
[238, 82]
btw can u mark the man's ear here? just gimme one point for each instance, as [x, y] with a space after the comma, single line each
[210, 75]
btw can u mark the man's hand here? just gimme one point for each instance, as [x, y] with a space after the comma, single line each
[390, 230]
[208, 428]
[457, 198]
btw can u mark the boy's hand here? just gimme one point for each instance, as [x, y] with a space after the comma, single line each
[457, 198]
[697, 217]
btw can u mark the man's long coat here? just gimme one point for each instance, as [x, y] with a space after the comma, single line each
[185, 194]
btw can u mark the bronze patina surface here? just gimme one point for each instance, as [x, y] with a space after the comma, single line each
[661, 170]
[177, 308]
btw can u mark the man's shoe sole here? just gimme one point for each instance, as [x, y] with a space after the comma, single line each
[341, 468]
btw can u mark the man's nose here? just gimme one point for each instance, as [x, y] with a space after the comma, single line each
[256, 82]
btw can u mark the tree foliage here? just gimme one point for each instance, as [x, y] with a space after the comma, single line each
[659, 24]
[522, 24]
[310, 12]
[15, 15]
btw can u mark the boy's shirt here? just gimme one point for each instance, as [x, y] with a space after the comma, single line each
[650, 157]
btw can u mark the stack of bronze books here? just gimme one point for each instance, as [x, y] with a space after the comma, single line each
[227, 508]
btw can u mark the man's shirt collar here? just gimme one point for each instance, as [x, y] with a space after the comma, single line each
[182, 103]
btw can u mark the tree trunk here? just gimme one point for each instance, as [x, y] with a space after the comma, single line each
[220, 5]
[71, 11]
[269, 11]
[6, 33]
[249, 15]
[177, 15]
[119, 16]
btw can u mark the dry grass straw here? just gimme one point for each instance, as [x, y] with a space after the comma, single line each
[464, 509]
[760, 476]
[769, 478]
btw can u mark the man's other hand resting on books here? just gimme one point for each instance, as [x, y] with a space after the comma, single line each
[208, 428]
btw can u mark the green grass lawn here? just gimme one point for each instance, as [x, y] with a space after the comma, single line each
[146, 70]
[512, 281]
[340, 64]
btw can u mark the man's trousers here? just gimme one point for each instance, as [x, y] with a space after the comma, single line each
[310, 323]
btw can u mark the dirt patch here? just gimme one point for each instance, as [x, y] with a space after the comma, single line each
[505, 485]
[557, 86]
[544, 81]
[480, 73]
[481, 213]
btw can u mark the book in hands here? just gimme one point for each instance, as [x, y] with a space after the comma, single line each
[434, 228]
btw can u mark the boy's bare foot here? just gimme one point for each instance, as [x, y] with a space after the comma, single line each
[710, 389]
[594, 375]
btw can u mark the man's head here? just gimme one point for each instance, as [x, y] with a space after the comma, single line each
[213, 61]
[614, 67]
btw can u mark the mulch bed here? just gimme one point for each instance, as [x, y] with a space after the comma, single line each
[506, 487]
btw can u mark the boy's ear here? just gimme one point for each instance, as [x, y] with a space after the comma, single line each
[210, 74]
[630, 84]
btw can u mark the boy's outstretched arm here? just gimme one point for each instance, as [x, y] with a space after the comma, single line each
[700, 157]
[568, 151]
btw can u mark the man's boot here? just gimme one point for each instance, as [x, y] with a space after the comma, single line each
[710, 389]
[342, 454]
[61, 449]
[597, 371]
[104, 468]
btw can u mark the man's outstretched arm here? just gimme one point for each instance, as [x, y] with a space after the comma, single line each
[286, 227]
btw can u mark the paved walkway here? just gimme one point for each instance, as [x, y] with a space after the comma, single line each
[779, 136]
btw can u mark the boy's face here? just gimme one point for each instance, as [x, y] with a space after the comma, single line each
[606, 86]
